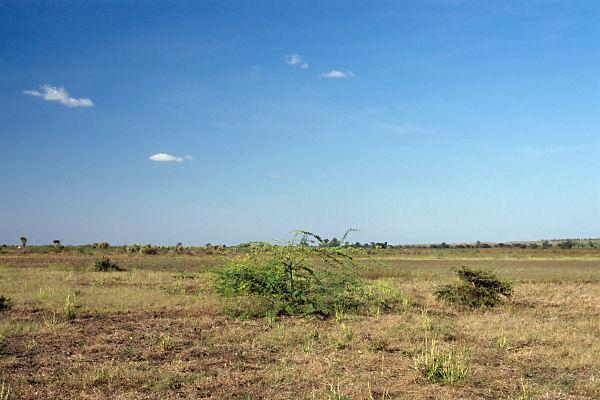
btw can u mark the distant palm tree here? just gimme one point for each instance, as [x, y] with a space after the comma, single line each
[56, 242]
[24, 241]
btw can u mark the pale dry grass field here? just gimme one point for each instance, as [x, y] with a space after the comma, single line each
[159, 330]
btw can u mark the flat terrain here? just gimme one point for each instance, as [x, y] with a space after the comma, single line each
[159, 331]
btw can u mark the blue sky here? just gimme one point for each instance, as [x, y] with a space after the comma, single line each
[420, 121]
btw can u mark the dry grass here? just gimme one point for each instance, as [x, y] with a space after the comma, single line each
[158, 331]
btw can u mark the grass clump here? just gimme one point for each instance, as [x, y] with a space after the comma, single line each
[295, 279]
[105, 264]
[477, 288]
[71, 308]
[440, 366]
[5, 303]
[5, 392]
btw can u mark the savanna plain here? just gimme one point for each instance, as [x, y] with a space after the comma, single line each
[160, 329]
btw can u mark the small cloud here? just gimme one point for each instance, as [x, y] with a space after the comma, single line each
[165, 157]
[274, 176]
[60, 94]
[334, 73]
[296, 60]
[255, 68]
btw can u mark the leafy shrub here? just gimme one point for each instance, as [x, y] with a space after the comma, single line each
[378, 344]
[477, 288]
[295, 279]
[149, 250]
[4, 303]
[105, 264]
[134, 248]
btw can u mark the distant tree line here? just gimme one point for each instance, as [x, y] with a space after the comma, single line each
[562, 244]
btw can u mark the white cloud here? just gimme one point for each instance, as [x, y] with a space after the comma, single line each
[297, 60]
[255, 68]
[165, 157]
[274, 176]
[334, 73]
[60, 94]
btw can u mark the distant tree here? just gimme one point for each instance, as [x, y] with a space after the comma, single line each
[24, 241]
[334, 242]
[56, 242]
[545, 244]
[478, 244]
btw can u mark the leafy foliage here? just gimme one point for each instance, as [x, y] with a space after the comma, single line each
[477, 288]
[296, 279]
[105, 264]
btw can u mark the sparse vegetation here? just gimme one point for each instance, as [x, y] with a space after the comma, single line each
[153, 332]
[477, 288]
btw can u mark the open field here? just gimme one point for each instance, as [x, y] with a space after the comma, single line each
[159, 330]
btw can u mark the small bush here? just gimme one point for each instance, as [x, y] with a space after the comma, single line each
[378, 344]
[300, 293]
[295, 279]
[5, 303]
[477, 288]
[105, 264]
[149, 250]
[134, 248]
